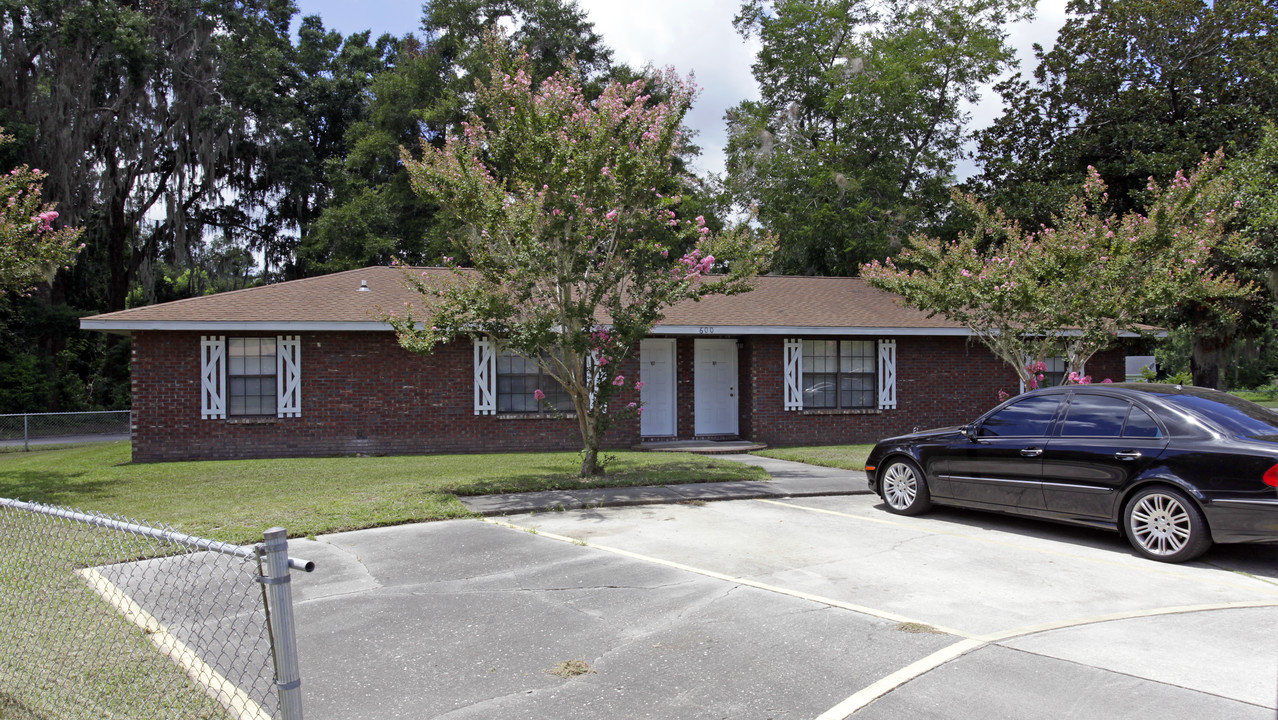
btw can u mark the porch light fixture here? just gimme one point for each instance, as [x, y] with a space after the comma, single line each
[740, 344]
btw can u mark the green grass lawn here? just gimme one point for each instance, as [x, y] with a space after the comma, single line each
[236, 500]
[847, 457]
[1259, 398]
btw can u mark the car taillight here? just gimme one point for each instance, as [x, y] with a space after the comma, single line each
[1271, 476]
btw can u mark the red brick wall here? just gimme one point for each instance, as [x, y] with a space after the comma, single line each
[363, 394]
[940, 382]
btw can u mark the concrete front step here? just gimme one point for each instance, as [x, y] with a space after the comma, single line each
[702, 447]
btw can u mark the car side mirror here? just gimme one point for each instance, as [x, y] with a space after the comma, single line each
[970, 431]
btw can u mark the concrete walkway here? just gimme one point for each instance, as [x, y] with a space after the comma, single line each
[789, 479]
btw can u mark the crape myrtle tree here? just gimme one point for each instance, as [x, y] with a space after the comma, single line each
[1075, 286]
[1137, 88]
[572, 241]
[31, 250]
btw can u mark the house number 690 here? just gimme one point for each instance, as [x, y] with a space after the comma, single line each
[706, 330]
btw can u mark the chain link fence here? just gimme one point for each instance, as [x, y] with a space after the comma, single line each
[29, 429]
[102, 617]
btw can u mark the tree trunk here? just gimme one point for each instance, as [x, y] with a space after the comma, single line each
[1204, 363]
[590, 466]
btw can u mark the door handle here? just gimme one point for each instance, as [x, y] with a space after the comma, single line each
[1031, 452]
[1127, 455]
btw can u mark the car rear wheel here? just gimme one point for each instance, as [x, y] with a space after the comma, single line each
[1163, 524]
[904, 488]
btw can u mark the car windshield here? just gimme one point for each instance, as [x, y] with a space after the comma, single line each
[1232, 414]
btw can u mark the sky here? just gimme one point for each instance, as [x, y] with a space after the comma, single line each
[693, 36]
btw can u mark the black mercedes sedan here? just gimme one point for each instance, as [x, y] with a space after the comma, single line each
[1172, 468]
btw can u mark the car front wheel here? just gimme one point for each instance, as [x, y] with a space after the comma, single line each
[904, 488]
[1163, 524]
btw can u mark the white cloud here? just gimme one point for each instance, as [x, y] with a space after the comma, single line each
[693, 36]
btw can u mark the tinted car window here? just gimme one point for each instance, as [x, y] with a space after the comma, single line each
[1141, 425]
[1095, 416]
[1027, 417]
[1232, 414]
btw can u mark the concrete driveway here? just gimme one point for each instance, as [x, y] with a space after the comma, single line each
[822, 607]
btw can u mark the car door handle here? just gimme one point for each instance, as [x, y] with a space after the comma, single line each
[1127, 455]
[1031, 452]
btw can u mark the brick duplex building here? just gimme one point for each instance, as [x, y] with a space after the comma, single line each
[307, 368]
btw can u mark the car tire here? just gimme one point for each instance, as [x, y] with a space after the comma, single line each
[1164, 524]
[903, 487]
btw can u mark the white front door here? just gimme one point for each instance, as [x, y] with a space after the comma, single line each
[716, 387]
[657, 371]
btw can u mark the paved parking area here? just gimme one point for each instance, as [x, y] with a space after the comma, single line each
[820, 607]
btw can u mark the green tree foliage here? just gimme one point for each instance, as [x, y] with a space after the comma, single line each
[426, 92]
[144, 109]
[1075, 286]
[1138, 89]
[558, 197]
[1134, 88]
[853, 144]
[1234, 341]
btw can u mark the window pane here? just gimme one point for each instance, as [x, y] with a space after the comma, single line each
[1094, 416]
[857, 391]
[857, 356]
[251, 376]
[819, 390]
[819, 356]
[1026, 418]
[1140, 424]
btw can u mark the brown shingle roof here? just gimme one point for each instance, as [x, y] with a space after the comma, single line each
[333, 302]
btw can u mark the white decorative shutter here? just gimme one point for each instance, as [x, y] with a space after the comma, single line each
[212, 377]
[793, 374]
[288, 376]
[485, 377]
[887, 374]
[593, 379]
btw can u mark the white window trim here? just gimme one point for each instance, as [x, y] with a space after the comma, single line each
[1082, 371]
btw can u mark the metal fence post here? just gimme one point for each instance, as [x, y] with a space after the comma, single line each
[25, 440]
[279, 594]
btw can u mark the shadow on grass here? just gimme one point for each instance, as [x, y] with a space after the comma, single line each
[51, 487]
[553, 477]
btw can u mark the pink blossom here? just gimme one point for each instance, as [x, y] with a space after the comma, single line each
[965, 273]
[539, 395]
[639, 385]
[619, 380]
[1033, 384]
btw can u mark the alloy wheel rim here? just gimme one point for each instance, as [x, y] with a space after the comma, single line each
[1160, 524]
[900, 486]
